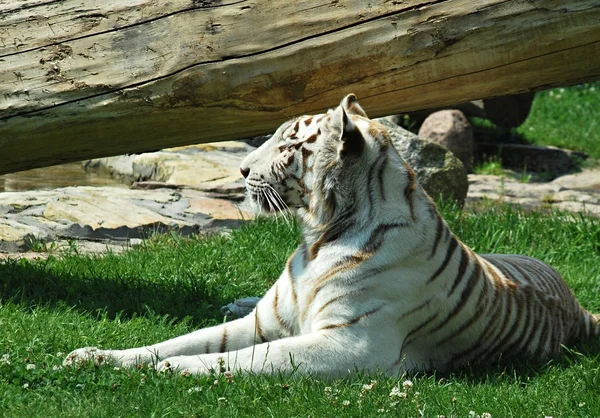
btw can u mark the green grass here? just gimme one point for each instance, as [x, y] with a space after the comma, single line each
[493, 167]
[171, 285]
[565, 117]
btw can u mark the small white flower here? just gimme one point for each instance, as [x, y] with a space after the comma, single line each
[185, 373]
[5, 359]
[367, 387]
[328, 390]
[397, 393]
[407, 385]
[116, 368]
[26, 386]
[346, 402]
[194, 389]
[486, 415]
[56, 367]
[473, 414]
[30, 366]
[222, 400]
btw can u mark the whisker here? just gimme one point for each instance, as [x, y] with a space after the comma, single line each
[282, 206]
[272, 203]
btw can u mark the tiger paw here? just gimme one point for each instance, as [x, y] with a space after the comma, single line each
[84, 355]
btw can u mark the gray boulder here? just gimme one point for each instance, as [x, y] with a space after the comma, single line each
[453, 130]
[438, 170]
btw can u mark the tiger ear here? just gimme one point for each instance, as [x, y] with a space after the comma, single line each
[350, 104]
[351, 139]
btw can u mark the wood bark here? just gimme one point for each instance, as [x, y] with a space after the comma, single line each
[83, 79]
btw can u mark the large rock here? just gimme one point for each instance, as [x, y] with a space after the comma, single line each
[438, 170]
[451, 129]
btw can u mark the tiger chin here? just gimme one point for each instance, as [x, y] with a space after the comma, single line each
[379, 283]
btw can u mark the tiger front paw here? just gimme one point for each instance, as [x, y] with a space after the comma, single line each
[85, 355]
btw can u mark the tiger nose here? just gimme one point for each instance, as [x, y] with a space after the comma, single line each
[245, 171]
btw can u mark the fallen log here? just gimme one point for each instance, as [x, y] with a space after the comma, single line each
[89, 79]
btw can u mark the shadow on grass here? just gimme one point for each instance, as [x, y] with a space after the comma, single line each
[32, 284]
[522, 369]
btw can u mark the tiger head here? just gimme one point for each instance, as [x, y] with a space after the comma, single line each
[328, 166]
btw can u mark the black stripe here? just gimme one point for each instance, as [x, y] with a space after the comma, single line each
[462, 267]
[507, 274]
[503, 330]
[501, 346]
[412, 311]
[526, 275]
[438, 235]
[451, 247]
[370, 191]
[377, 237]
[492, 332]
[474, 318]
[354, 320]
[478, 344]
[544, 331]
[535, 318]
[380, 177]
[465, 295]
[408, 340]
[335, 299]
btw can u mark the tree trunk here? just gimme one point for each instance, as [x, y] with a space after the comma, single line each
[82, 79]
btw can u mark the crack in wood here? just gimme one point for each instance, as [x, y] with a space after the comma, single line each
[124, 27]
[224, 58]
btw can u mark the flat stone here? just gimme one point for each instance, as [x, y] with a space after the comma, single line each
[586, 179]
[566, 194]
[109, 214]
[579, 207]
[104, 214]
[203, 166]
[216, 208]
[228, 146]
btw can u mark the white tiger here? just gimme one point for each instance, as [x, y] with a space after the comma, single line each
[379, 282]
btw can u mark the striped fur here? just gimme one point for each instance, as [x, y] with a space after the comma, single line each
[379, 282]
